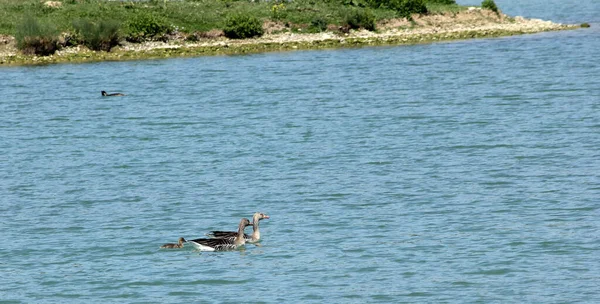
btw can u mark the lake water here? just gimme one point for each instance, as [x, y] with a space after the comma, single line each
[461, 172]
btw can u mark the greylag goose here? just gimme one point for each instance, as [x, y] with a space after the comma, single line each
[255, 237]
[178, 245]
[112, 94]
[223, 244]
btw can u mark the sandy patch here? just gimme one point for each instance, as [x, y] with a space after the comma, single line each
[53, 4]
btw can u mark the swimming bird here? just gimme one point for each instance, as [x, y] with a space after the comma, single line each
[254, 238]
[223, 244]
[178, 245]
[112, 94]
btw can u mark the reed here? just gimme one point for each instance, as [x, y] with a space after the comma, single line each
[98, 36]
[35, 38]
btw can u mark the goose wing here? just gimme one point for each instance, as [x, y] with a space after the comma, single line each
[224, 234]
[216, 244]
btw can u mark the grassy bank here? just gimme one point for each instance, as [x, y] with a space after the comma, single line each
[97, 30]
[189, 16]
[253, 46]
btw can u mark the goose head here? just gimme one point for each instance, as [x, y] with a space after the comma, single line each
[259, 216]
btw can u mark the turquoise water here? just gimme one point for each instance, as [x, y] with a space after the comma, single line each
[442, 173]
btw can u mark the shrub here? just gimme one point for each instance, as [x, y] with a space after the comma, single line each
[317, 25]
[490, 4]
[100, 36]
[407, 7]
[446, 2]
[34, 38]
[243, 26]
[403, 8]
[361, 19]
[146, 26]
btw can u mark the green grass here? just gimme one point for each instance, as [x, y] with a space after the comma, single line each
[435, 8]
[186, 15]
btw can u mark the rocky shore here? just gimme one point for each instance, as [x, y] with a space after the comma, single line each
[471, 23]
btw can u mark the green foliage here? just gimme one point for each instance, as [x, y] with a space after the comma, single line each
[34, 38]
[241, 26]
[278, 11]
[442, 7]
[147, 26]
[490, 4]
[361, 19]
[444, 2]
[98, 36]
[317, 25]
[190, 16]
[359, 3]
[403, 8]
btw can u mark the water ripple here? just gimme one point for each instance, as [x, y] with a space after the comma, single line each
[447, 173]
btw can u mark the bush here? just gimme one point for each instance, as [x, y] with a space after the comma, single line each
[490, 4]
[446, 2]
[361, 19]
[34, 38]
[101, 36]
[243, 26]
[317, 25]
[403, 8]
[145, 26]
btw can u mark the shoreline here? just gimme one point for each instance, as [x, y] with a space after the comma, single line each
[470, 24]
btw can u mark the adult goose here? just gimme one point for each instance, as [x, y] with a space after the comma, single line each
[178, 245]
[223, 244]
[253, 238]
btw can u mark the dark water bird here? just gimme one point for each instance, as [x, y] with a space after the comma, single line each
[253, 238]
[112, 94]
[178, 245]
[223, 244]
